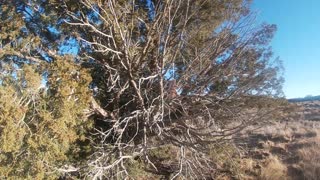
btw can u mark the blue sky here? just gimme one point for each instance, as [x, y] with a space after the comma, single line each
[297, 42]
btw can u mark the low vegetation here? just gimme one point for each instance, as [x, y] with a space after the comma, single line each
[286, 149]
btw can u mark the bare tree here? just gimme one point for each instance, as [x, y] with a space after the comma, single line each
[180, 73]
[165, 73]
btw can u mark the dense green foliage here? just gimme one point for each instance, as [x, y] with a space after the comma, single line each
[38, 126]
[112, 89]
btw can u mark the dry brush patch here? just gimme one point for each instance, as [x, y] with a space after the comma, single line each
[273, 169]
[310, 161]
[291, 146]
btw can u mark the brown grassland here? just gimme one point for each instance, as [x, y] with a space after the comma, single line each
[286, 149]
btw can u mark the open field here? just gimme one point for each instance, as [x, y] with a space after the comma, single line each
[287, 149]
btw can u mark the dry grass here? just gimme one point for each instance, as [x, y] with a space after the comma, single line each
[286, 149]
[310, 161]
[273, 169]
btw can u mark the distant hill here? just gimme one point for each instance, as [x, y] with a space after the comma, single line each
[307, 98]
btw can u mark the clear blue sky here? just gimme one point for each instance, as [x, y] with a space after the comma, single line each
[297, 42]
